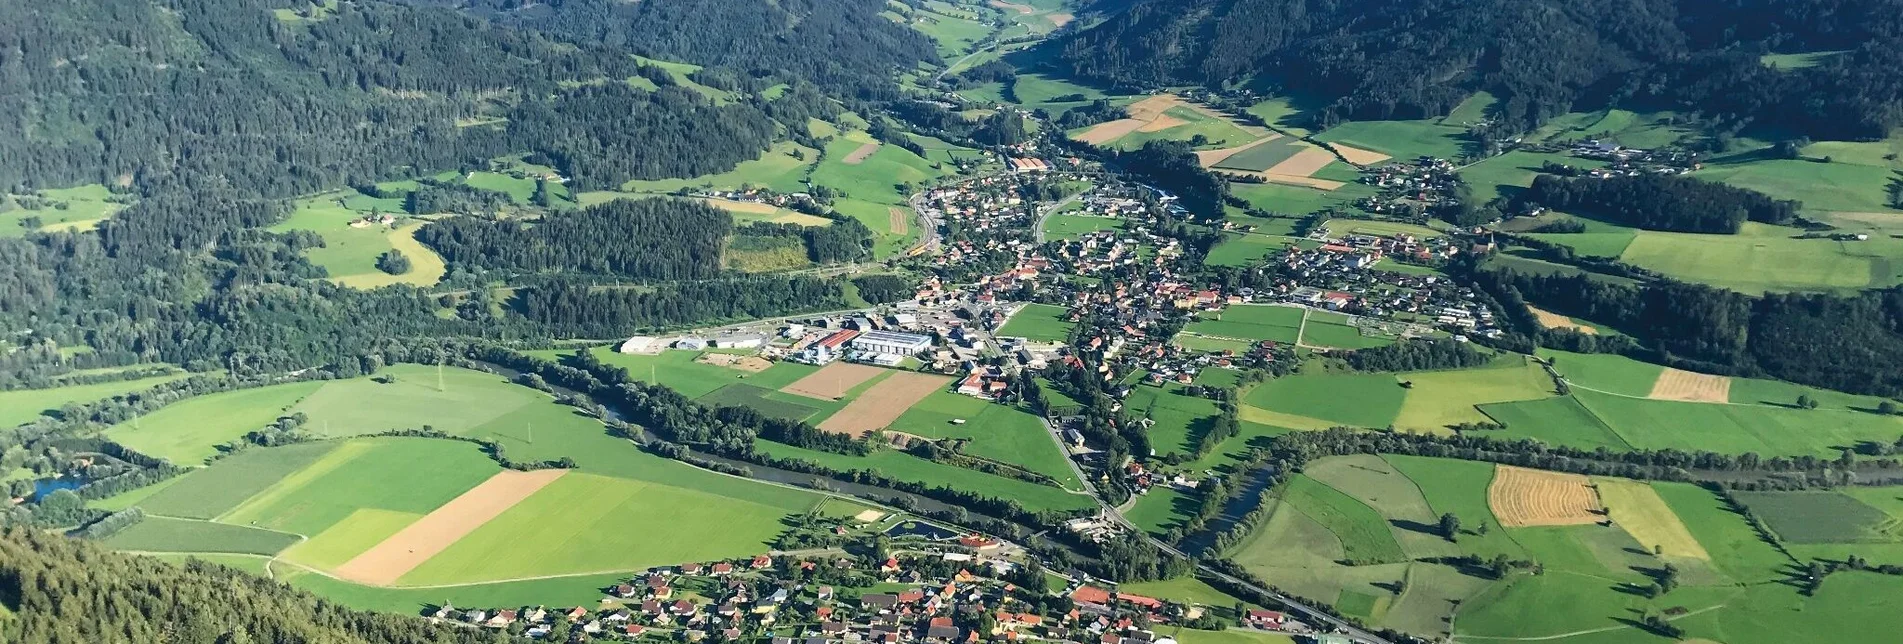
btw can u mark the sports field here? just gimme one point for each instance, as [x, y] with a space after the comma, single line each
[23, 405]
[1039, 323]
[1358, 400]
[1062, 226]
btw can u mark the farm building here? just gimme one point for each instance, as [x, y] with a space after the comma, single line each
[640, 344]
[690, 344]
[892, 342]
[827, 349]
[739, 341]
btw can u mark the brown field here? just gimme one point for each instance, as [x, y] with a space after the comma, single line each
[1108, 131]
[832, 381]
[1359, 156]
[1553, 320]
[1161, 123]
[1001, 4]
[858, 155]
[1521, 497]
[749, 364]
[898, 220]
[1210, 158]
[1285, 179]
[385, 562]
[883, 403]
[1691, 387]
[749, 207]
[1061, 18]
[1304, 163]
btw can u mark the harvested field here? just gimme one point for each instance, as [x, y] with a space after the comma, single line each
[1160, 123]
[1108, 131]
[859, 154]
[1304, 163]
[389, 560]
[750, 207]
[749, 364]
[1553, 320]
[1522, 497]
[897, 220]
[1637, 507]
[1061, 18]
[883, 403]
[1359, 156]
[833, 381]
[1688, 386]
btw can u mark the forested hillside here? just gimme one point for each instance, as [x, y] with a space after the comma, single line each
[55, 590]
[1400, 59]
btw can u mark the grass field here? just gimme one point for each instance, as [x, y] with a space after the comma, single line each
[1637, 507]
[1251, 322]
[1599, 239]
[23, 405]
[760, 399]
[560, 591]
[1763, 258]
[1817, 517]
[80, 208]
[1181, 420]
[1298, 200]
[906, 467]
[1847, 187]
[678, 370]
[1460, 488]
[1731, 428]
[1361, 400]
[164, 534]
[1336, 335]
[1403, 140]
[1237, 249]
[212, 491]
[1559, 421]
[187, 432]
[997, 432]
[1365, 535]
[776, 169]
[1264, 156]
[1606, 372]
[1232, 636]
[1439, 399]
[1181, 589]
[1061, 226]
[1160, 509]
[583, 523]
[1216, 132]
[349, 254]
[1507, 174]
[1377, 484]
[1039, 323]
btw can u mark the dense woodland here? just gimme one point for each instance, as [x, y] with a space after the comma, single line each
[55, 590]
[1403, 59]
[652, 239]
[1659, 202]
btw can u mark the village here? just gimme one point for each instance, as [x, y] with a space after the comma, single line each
[941, 589]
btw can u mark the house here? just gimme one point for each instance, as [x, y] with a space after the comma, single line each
[878, 601]
[1266, 619]
[1090, 595]
[825, 593]
[690, 569]
[722, 569]
[1151, 603]
[502, 619]
[624, 590]
[634, 630]
[761, 561]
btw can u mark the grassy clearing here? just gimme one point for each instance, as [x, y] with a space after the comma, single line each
[1440, 399]
[1298, 200]
[1768, 431]
[583, 523]
[1403, 140]
[1215, 132]
[777, 169]
[212, 491]
[998, 432]
[163, 534]
[23, 405]
[1361, 400]
[1769, 258]
[1251, 322]
[1606, 372]
[1471, 111]
[1559, 421]
[1817, 517]
[77, 208]
[1062, 226]
[1040, 323]
[1289, 114]
[188, 432]
[1365, 535]
[1802, 60]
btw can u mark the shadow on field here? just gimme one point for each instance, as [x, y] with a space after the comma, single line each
[1415, 526]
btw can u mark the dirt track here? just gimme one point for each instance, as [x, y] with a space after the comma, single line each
[396, 556]
[883, 403]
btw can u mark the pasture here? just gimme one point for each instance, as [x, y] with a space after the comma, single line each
[77, 208]
[349, 254]
[1610, 373]
[1376, 483]
[1039, 323]
[1817, 517]
[188, 431]
[166, 534]
[1365, 535]
[1251, 322]
[680, 370]
[1437, 400]
[20, 406]
[1507, 174]
[1238, 249]
[1404, 140]
[1262, 156]
[1231, 636]
[1161, 508]
[759, 399]
[212, 491]
[1732, 428]
[1338, 335]
[1180, 420]
[777, 169]
[1762, 258]
[1559, 421]
[1296, 200]
[1358, 400]
[997, 432]
[1638, 508]
[1821, 186]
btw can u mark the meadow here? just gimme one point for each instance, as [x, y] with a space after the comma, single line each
[76, 208]
[1631, 129]
[1365, 535]
[1820, 185]
[212, 491]
[1358, 400]
[165, 534]
[777, 169]
[1161, 508]
[1264, 156]
[349, 254]
[20, 406]
[1507, 174]
[1763, 258]
[1251, 322]
[189, 431]
[1339, 335]
[1736, 429]
[1610, 373]
[1402, 140]
[1559, 421]
[1239, 249]
[1817, 517]
[998, 432]
[1039, 323]
[1192, 123]
[1181, 420]
[1438, 399]
[1298, 200]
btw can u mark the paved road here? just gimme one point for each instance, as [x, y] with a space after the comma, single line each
[1045, 213]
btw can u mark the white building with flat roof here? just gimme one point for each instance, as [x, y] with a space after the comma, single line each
[640, 344]
[892, 342]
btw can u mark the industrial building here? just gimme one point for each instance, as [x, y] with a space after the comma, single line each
[892, 342]
[641, 344]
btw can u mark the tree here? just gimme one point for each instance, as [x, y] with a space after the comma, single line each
[1450, 526]
[1887, 408]
[393, 262]
[1806, 402]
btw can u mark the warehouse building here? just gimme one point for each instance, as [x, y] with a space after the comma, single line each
[891, 342]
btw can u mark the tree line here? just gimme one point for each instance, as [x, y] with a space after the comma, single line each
[1659, 202]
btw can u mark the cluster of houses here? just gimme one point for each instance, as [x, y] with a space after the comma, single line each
[1637, 160]
[1410, 189]
[1337, 281]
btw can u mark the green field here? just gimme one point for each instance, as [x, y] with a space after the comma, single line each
[1181, 589]
[1296, 200]
[349, 255]
[1289, 114]
[1061, 226]
[1507, 174]
[1439, 399]
[1403, 140]
[760, 399]
[1360, 400]
[1366, 537]
[188, 432]
[1817, 517]
[993, 431]
[1039, 323]
[1559, 421]
[1264, 156]
[1631, 129]
[1763, 258]
[1336, 335]
[776, 169]
[584, 590]
[1471, 111]
[1377, 484]
[164, 534]
[906, 467]
[77, 208]
[23, 405]
[212, 491]
[1232, 636]
[1181, 420]
[1605, 372]
[584, 523]
[1237, 249]
[1599, 239]
[678, 370]
[1161, 508]
[1834, 186]
[1735, 429]
[1216, 132]
[1251, 322]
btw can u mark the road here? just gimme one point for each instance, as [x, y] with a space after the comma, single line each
[927, 222]
[1045, 213]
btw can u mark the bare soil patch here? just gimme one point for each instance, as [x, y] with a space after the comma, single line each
[1522, 497]
[1689, 386]
[883, 403]
[1304, 163]
[1210, 158]
[749, 364]
[1061, 18]
[1553, 320]
[868, 516]
[1108, 131]
[858, 155]
[832, 381]
[750, 207]
[1359, 156]
[396, 556]
[898, 220]
[1023, 9]
[1161, 123]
